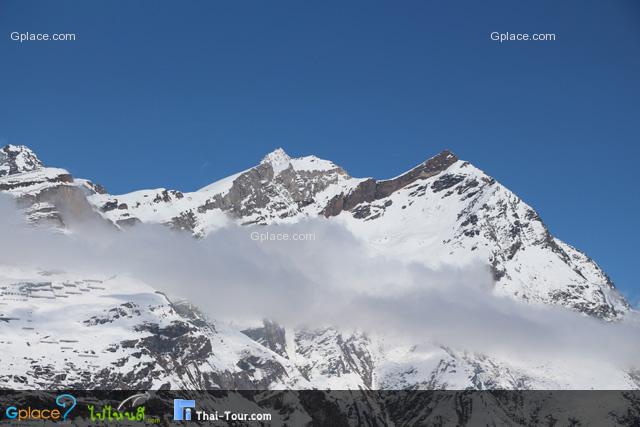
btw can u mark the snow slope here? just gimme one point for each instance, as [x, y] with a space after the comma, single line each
[64, 329]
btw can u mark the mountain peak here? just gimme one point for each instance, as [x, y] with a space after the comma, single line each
[278, 155]
[10, 148]
[443, 157]
[447, 154]
[278, 159]
[17, 159]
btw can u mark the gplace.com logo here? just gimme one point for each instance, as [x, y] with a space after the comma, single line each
[65, 401]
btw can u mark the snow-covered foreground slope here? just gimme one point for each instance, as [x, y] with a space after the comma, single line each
[63, 329]
[60, 329]
[66, 328]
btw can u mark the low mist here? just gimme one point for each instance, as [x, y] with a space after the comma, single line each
[331, 280]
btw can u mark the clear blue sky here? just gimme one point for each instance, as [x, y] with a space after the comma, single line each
[178, 94]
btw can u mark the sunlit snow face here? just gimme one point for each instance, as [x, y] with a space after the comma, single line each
[332, 280]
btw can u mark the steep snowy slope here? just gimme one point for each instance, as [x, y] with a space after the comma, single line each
[49, 196]
[63, 329]
[460, 215]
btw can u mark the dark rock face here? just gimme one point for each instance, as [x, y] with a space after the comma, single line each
[364, 192]
[48, 196]
[71, 203]
[109, 206]
[97, 188]
[167, 195]
[330, 353]
[280, 195]
[127, 310]
[431, 167]
[174, 348]
[271, 335]
[184, 222]
[446, 181]
[597, 307]
[59, 203]
[370, 190]
[91, 188]
[177, 338]
[9, 185]
[128, 222]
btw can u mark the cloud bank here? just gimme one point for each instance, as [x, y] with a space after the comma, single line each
[329, 281]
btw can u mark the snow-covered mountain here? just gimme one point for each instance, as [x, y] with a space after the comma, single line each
[49, 196]
[118, 332]
[443, 211]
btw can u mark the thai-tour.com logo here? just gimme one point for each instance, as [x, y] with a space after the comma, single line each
[59, 411]
[182, 409]
[185, 410]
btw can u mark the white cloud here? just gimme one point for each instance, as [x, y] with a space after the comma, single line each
[331, 280]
